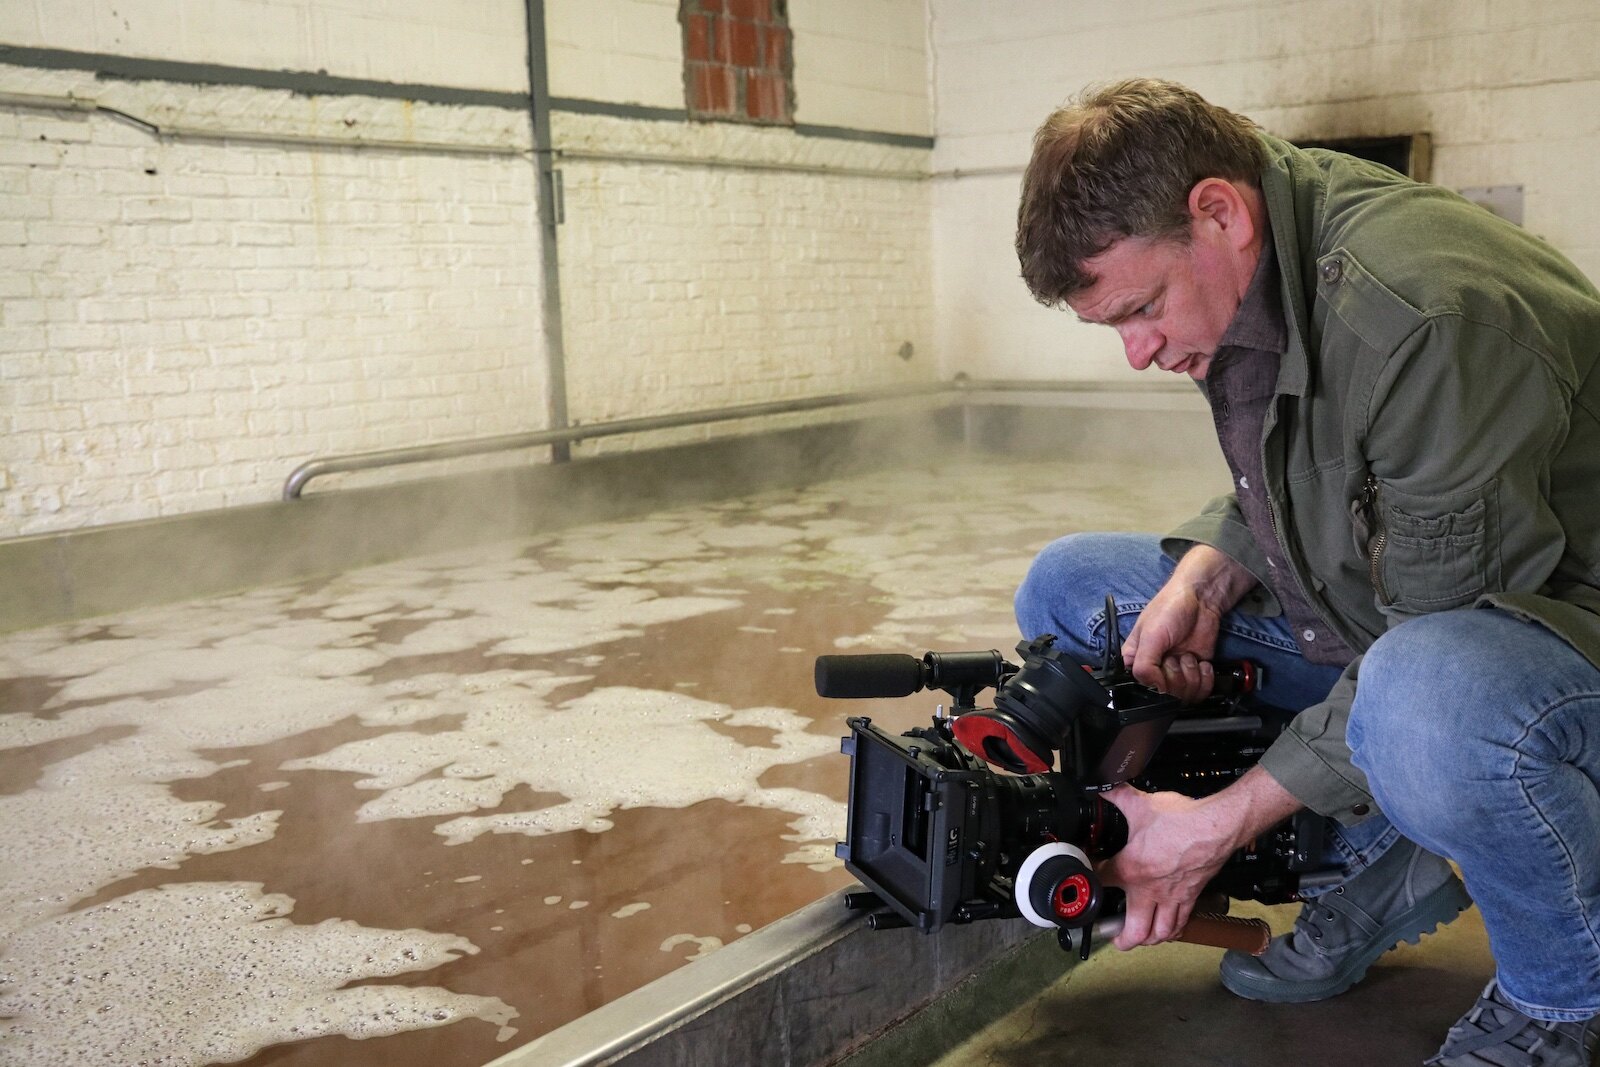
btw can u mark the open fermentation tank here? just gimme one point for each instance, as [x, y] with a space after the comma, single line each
[446, 805]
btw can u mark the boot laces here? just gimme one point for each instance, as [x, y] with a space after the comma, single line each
[1493, 1024]
[1311, 913]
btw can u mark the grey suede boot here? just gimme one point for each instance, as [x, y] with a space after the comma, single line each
[1407, 893]
[1494, 1034]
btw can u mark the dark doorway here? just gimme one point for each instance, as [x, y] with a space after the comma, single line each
[1406, 153]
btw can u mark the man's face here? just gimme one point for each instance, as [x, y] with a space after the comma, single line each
[1171, 302]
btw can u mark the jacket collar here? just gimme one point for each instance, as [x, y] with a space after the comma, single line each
[1292, 208]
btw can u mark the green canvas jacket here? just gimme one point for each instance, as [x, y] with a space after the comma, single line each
[1435, 438]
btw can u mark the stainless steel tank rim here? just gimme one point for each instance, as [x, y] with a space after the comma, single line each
[967, 390]
[635, 1019]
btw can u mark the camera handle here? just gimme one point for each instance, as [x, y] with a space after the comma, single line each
[1249, 936]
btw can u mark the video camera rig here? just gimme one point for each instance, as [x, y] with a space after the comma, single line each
[938, 837]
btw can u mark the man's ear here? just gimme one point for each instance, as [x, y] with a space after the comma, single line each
[1218, 209]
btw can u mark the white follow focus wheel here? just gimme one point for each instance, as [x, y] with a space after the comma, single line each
[1030, 867]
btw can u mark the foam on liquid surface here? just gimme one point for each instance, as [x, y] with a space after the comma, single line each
[479, 694]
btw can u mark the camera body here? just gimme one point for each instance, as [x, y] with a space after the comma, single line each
[938, 835]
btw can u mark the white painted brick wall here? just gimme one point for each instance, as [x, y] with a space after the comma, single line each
[858, 65]
[1509, 91]
[475, 44]
[862, 65]
[183, 321]
[619, 51]
[689, 287]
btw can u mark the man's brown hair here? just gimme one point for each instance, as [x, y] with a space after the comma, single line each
[1119, 161]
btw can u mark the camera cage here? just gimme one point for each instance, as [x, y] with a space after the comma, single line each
[937, 835]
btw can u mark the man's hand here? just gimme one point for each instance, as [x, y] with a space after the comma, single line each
[1176, 844]
[1175, 637]
[1170, 856]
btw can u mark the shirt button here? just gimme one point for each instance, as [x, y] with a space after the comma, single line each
[1360, 809]
[1244, 483]
[1272, 563]
[1332, 271]
[1309, 635]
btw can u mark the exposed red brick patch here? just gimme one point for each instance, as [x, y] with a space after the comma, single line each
[713, 85]
[738, 60]
[778, 51]
[697, 38]
[764, 97]
[745, 42]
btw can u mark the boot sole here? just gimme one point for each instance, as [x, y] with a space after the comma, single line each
[1427, 915]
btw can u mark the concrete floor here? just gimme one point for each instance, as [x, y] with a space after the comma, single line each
[1163, 1006]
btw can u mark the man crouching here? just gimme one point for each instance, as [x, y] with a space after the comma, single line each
[1404, 389]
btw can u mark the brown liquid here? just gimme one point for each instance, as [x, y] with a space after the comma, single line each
[707, 870]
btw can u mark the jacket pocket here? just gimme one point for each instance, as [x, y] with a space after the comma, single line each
[1436, 550]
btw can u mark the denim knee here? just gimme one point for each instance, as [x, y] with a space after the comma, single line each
[1050, 577]
[1064, 591]
[1411, 730]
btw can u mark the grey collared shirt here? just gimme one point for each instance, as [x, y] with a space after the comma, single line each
[1240, 385]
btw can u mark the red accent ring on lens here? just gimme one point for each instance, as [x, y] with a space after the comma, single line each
[973, 730]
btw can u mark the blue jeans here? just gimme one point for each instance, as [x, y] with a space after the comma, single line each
[1479, 735]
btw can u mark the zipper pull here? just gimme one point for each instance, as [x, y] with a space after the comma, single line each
[1361, 515]
[1377, 537]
